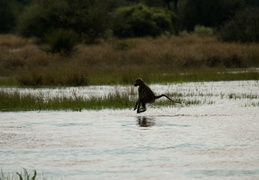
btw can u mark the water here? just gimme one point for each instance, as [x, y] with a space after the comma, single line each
[218, 140]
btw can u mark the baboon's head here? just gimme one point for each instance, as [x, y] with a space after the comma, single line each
[138, 82]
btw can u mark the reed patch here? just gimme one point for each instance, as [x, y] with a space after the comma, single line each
[16, 101]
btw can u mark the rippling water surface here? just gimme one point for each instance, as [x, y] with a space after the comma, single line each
[218, 140]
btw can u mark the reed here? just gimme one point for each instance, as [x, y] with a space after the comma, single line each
[162, 59]
[15, 101]
[24, 175]
[18, 102]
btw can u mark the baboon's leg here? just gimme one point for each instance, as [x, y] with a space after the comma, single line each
[138, 111]
[143, 109]
[137, 105]
[144, 106]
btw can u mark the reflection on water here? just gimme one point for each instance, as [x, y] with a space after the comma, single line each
[144, 121]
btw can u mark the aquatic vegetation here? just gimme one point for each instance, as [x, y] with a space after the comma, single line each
[243, 96]
[24, 175]
[124, 97]
[255, 104]
[18, 102]
[15, 101]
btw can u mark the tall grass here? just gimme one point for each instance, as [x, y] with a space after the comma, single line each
[166, 59]
[15, 101]
[19, 102]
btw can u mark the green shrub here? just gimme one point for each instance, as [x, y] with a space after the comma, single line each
[243, 27]
[124, 45]
[139, 20]
[62, 41]
[203, 31]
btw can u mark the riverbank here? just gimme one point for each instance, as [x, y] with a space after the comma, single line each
[165, 59]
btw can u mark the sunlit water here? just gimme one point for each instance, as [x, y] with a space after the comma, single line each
[215, 140]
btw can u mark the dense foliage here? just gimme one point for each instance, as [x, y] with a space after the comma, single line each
[210, 13]
[89, 19]
[140, 20]
[93, 20]
[244, 27]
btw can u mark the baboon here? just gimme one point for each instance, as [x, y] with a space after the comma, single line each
[146, 95]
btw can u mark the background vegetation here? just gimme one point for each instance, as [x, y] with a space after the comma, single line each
[164, 59]
[93, 20]
[81, 42]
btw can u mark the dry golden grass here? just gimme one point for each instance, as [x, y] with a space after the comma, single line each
[121, 61]
[13, 41]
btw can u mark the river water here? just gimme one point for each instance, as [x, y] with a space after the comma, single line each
[218, 139]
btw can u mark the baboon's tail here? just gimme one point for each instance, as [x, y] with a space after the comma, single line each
[157, 97]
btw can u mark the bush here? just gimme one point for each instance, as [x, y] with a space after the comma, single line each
[89, 19]
[243, 27]
[62, 41]
[139, 20]
[203, 31]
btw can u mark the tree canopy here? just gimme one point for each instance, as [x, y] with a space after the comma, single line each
[95, 19]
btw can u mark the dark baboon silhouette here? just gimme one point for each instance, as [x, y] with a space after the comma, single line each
[146, 95]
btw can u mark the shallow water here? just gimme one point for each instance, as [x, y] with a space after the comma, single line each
[218, 140]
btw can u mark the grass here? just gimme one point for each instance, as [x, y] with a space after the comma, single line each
[14, 101]
[243, 96]
[17, 102]
[24, 175]
[255, 104]
[157, 60]
[42, 100]
[166, 59]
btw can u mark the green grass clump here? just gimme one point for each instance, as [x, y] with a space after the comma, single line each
[242, 96]
[24, 175]
[17, 102]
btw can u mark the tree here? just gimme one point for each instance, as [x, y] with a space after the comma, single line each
[88, 18]
[252, 3]
[140, 20]
[210, 13]
[8, 12]
[243, 27]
